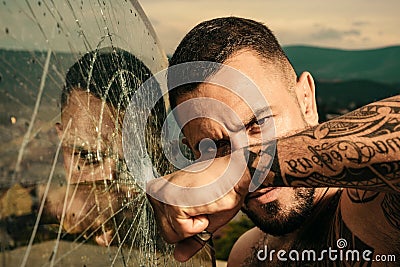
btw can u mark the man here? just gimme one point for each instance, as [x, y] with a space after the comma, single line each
[105, 201]
[328, 183]
[100, 192]
[101, 198]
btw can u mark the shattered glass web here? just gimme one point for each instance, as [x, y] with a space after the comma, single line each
[39, 42]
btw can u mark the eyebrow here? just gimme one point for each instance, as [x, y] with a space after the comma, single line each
[247, 122]
[85, 146]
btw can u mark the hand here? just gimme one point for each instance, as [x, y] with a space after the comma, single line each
[207, 195]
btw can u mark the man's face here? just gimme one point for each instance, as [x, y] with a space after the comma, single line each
[91, 142]
[274, 210]
[92, 152]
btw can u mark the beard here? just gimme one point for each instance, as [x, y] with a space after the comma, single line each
[277, 219]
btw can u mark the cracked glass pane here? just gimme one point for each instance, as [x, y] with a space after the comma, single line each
[68, 70]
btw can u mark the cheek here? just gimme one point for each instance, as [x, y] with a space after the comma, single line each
[287, 197]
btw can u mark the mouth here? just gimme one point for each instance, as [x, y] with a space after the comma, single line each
[263, 195]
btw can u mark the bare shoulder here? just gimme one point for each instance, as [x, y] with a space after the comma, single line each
[372, 217]
[244, 247]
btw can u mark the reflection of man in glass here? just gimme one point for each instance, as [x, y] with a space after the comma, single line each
[98, 89]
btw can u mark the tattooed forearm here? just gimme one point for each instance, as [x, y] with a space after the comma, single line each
[358, 150]
[330, 155]
[371, 120]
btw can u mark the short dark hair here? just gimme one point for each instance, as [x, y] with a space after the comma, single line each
[111, 74]
[216, 40]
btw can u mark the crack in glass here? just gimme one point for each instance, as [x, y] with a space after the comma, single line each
[67, 198]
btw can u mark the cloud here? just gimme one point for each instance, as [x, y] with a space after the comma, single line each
[360, 23]
[333, 34]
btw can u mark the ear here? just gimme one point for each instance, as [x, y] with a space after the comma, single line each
[59, 129]
[305, 91]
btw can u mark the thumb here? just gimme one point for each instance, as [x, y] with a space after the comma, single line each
[190, 226]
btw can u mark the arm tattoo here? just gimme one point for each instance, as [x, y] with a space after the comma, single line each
[391, 209]
[361, 196]
[358, 150]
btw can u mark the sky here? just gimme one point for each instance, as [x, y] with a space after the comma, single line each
[345, 24]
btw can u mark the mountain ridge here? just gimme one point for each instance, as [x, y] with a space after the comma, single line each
[331, 64]
[341, 49]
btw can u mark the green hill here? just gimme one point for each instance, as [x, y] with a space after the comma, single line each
[380, 65]
[337, 98]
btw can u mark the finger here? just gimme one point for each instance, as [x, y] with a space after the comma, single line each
[187, 227]
[230, 201]
[187, 248]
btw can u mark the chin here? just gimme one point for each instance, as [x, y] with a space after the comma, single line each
[283, 216]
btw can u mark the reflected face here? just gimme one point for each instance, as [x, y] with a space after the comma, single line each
[92, 152]
[272, 209]
[91, 142]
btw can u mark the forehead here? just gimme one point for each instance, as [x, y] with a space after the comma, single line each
[88, 117]
[213, 102]
[266, 76]
[246, 84]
